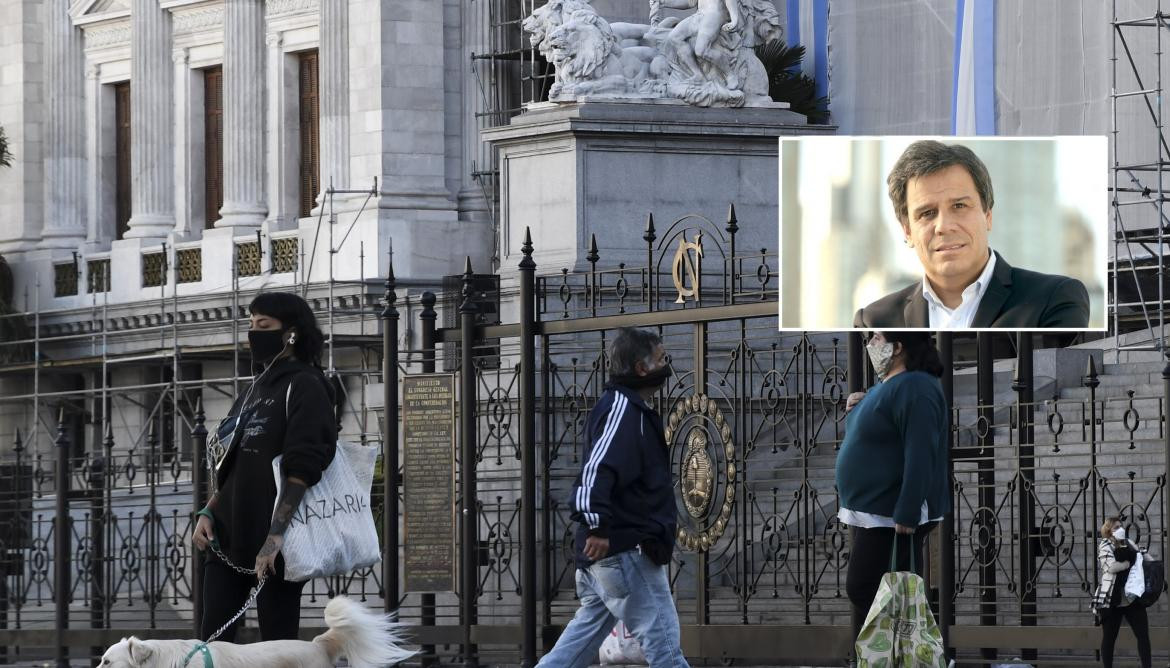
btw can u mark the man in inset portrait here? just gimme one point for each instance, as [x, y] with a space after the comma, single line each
[943, 199]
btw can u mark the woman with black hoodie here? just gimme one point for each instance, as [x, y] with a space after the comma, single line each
[288, 410]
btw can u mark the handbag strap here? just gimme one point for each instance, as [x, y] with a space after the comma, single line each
[894, 554]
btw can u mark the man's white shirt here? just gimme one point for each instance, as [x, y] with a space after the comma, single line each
[961, 316]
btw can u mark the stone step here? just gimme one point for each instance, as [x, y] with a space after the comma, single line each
[1127, 379]
[1148, 389]
[1134, 367]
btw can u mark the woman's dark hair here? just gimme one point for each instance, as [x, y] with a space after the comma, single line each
[918, 351]
[293, 313]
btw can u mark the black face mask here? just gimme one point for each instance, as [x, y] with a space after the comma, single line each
[655, 378]
[265, 344]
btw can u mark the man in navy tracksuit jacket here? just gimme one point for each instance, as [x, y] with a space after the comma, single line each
[624, 504]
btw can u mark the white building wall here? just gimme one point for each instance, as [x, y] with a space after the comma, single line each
[22, 112]
[403, 127]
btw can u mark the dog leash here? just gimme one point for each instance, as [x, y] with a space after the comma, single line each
[252, 594]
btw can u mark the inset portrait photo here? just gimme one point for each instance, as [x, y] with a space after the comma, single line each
[943, 233]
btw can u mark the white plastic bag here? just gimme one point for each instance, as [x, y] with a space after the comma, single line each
[332, 533]
[1135, 584]
[622, 648]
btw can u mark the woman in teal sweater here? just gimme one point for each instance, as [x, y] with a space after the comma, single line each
[892, 469]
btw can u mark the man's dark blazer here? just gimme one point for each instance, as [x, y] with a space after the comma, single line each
[1015, 298]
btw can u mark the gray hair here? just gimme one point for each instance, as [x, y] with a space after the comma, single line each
[926, 157]
[630, 347]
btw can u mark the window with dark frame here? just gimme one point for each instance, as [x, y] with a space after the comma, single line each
[122, 159]
[310, 141]
[213, 143]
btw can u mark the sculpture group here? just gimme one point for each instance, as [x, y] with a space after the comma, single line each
[705, 59]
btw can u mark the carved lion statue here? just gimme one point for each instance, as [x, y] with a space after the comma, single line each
[549, 17]
[552, 15]
[589, 60]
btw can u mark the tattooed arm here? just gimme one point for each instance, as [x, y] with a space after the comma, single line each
[291, 494]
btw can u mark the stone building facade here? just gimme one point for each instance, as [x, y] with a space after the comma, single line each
[138, 123]
[180, 152]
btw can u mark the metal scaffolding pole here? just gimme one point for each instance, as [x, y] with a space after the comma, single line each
[1139, 283]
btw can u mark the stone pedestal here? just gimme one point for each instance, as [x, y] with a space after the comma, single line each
[126, 269]
[569, 171]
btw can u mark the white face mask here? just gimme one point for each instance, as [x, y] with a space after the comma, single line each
[882, 356]
[1119, 533]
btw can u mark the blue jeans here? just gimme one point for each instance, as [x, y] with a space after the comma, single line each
[626, 586]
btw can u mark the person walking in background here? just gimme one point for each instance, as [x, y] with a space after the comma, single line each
[624, 504]
[892, 468]
[289, 410]
[1116, 555]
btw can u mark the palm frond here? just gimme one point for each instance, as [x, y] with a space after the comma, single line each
[778, 57]
[786, 83]
[5, 156]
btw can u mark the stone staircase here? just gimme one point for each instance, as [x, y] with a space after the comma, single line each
[1130, 455]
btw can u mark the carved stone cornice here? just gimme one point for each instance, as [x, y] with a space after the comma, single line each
[115, 34]
[282, 7]
[206, 18]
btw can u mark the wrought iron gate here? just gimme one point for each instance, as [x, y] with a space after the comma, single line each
[755, 418]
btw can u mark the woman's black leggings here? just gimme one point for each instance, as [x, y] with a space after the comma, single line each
[869, 560]
[278, 607]
[1135, 614]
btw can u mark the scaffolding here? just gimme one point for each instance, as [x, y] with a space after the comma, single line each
[130, 436]
[1138, 162]
[60, 343]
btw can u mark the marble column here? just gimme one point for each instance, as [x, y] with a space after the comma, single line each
[100, 151]
[243, 115]
[188, 180]
[282, 149]
[334, 81]
[65, 196]
[93, 151]
[152, 189]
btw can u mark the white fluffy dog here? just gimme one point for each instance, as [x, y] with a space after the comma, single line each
[363, 636]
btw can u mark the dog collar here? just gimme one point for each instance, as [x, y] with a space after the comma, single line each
[201, 647]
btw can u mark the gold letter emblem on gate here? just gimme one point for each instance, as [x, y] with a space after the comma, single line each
[683, 261]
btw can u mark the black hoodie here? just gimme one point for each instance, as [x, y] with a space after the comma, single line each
[305, 432]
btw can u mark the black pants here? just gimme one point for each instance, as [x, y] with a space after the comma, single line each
[1135, 614]
[278, 606]
[869, 560]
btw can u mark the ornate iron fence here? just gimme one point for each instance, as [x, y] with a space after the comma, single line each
[755, 418]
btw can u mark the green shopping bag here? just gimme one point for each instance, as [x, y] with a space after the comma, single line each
[899, 630]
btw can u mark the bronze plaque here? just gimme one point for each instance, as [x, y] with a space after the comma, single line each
[428, 481]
